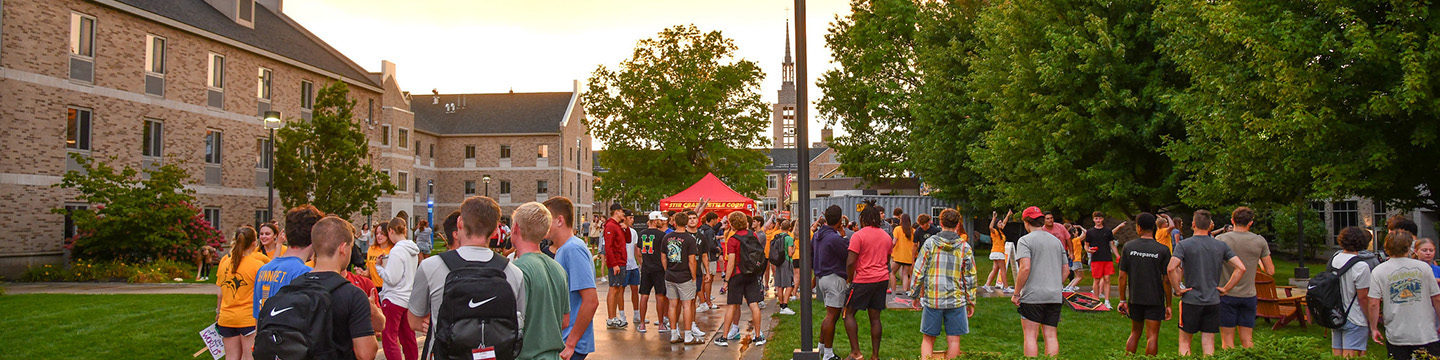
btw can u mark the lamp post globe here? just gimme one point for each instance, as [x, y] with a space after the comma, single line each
[271, 120]
[486, 179]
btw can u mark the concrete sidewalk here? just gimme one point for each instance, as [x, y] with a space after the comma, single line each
[109, 288]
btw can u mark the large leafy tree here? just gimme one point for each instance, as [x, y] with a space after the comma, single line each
[871, 92]
[1306, 99]
[323, 161]
[135, 215]
[948, 119]
[680, 107]
[1073, 88]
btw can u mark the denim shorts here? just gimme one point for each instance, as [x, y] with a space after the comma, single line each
[1350, 337]
[953, 321]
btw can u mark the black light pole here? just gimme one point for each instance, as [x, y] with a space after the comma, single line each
[272, 122]
[802, 154]
[486, 179]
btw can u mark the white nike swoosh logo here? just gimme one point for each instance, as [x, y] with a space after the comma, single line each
[277, 312]
[474, 304]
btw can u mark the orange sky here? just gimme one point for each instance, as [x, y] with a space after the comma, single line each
[542, 45]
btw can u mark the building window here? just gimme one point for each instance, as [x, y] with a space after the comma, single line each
[404, 135]
[542, 187]
[544, 151]
[432, 151]
[370, 112]
[246, 11]
[212, 215]
[82, 35]
[154, 54]
[264, 84]
[70, 228]
[1378, 218]
[261, 216]
[213, 146]
[1346, 213]
[154, 138]
[469, 152]
[217, 72]
[770, 204]
[77, 129]
[307, 95]
[504, 187]
[772, 181]
[504, 151]
[469, 187]
[262, 152]
[404, 178]
[384, 135]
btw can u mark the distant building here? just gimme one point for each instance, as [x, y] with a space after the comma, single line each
[782, 112]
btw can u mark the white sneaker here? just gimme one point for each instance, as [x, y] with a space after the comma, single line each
[985, 288]
[675, 337]
[702, 308]
[787, 311]
[713, 306]
[1009, 290]
[762, 304]
[1107, 303]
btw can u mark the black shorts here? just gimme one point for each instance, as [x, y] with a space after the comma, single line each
[1045, 314]
[743, 289]
[1146, 312]
[226, 331]
[1200, 318]
[652, 280]
[867, 296]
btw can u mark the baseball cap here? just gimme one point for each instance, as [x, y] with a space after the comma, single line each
[656, 215]
[614, 207]
[629, 214]
[1032, 212]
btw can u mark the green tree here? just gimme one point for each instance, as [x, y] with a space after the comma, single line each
[1073, 88]
[950, 119]
[871, 92]
[1292, 100]
[133, 217]
[678, 108]
[323, 161]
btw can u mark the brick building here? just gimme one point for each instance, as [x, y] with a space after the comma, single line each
[146, 81]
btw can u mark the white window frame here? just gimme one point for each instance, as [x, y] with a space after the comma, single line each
[218, 156]
[264, 87]
[469, 187]
[469, 152]
[76, 19]
[542, 185]
[772, 181]
[215, 219]
[210, 76]
[262, 149]
[403, 177]
[241, 5]
[156, 138]
[84, 133]
[542, 151]
[402, 135]
[504, 187]
[385, 135]
[151, 57]
[307, 95]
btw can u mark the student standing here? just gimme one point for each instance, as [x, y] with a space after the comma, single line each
[652, 272]
[352, 332]
[1043, 267]
[378, 251]
[632, 268]
[616, 240]
[709, 250]
[829, 266]
[869, 251]
[1144, 297]
[744, 288]
[424, 238]
[280, 271]
[234, 307]
[397, 273]
[574, 256]
[272, 243]
[1237, 308]
[680, 275]
[1100, 242]
[547, 302]
[1350, 339]
[923, 230]
[1202, 259]
[784, 273]
[903, 254]
[1410, 298]
[945, 286]
[998, 255]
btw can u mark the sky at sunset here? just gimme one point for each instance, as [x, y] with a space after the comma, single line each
[543, 45]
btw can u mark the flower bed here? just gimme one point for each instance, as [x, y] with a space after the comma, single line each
[87, 271]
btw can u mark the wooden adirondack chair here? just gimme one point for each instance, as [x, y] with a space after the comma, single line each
[1274, 306]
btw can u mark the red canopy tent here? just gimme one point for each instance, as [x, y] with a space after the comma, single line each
[723, 199]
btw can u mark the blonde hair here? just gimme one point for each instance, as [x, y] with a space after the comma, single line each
[532, 221]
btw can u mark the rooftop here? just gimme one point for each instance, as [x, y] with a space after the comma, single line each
[505, 113]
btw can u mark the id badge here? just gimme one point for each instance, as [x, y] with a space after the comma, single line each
[485, 353]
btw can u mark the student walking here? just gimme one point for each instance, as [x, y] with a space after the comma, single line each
[1350, 340]
[234, 307]
[1237, 308]
[945, 286]
[493, 287]
[280, 271]
[1202, 259]
[829, 266]
[652, 272]
[1144, 296]
[574, 256]
[869, 251]
[1043, 267]
[397, 272]
[1410, 298]
[743, 278]
[352, 335]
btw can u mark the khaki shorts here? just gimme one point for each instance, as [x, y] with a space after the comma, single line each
[680, 291]
[832, 290]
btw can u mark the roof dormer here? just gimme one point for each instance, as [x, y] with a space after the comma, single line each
[241, 11]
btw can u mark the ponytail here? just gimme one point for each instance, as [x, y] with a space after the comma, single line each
[244, 239]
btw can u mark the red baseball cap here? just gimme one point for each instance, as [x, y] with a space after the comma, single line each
[1032, 212]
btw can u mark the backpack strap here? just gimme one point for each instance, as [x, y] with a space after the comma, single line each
[454, 261]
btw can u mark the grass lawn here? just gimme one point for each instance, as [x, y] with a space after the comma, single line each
[58, 326]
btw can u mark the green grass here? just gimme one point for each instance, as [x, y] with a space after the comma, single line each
[58, 326]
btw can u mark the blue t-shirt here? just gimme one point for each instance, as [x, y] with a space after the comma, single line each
[274, 276]
[580, 270]
[1435, 269]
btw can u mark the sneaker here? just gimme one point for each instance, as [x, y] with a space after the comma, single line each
[757, 340]
[664, 327]
[1009, 290]
[722, 290]
[1068, 289]
[640, 327]
[787, 311]
[720, 340]
[694, 340]
[638, 320]
[621, 322]
[762, 304]
[702, 308]
[985, 288]
[1107, 303]
[675, 338]
[713, 306]
[611, 324]
[735, 334]
[697, 333]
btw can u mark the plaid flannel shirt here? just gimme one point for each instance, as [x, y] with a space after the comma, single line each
[945, 272]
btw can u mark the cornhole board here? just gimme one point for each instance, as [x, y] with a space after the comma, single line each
[1084, 301]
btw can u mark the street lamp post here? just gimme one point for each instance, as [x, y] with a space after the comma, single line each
[486, 179]
[802, 155]
[272, 122]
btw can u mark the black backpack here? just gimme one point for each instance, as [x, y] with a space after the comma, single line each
[1324, 294]
[478, 311]
[752, 254]
[778, 251]
[296, 322]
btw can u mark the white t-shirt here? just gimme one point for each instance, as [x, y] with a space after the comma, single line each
[630, 251]
[1405, 287]
[1357, 278]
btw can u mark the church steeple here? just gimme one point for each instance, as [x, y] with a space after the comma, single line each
[783, 111]
[787, 73]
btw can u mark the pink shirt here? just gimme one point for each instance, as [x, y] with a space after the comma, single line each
[1060, 233]
[872, 247]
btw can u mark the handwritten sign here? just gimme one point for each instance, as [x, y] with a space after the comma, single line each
[213, 341]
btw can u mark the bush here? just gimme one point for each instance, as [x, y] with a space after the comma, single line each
[135, 217]
[115, 271]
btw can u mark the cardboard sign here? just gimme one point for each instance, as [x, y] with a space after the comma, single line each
[213, 341]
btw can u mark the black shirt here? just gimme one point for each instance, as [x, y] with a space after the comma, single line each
[920, 236]
[349, 311]
[679, 249]
[1144, 261]
[1100, 238]
[651, 248]
[704, 241]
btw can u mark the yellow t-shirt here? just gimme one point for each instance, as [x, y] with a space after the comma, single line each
[237, 290]
[372, 256]
[997, 242]
[769, 236]
[904, 250]
[1163, 237]
[277, 254]
[1077, 249]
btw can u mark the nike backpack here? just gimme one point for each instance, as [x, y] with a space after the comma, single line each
[778, 251]
[477, 318]
[1325, 296]
[752, 254]
[296, 322]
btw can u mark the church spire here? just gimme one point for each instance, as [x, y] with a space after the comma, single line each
[787, 44]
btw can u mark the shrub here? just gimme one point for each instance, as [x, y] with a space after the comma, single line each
[114, 271]
[135, 217]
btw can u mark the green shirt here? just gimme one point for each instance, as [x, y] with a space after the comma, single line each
[547, 300]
